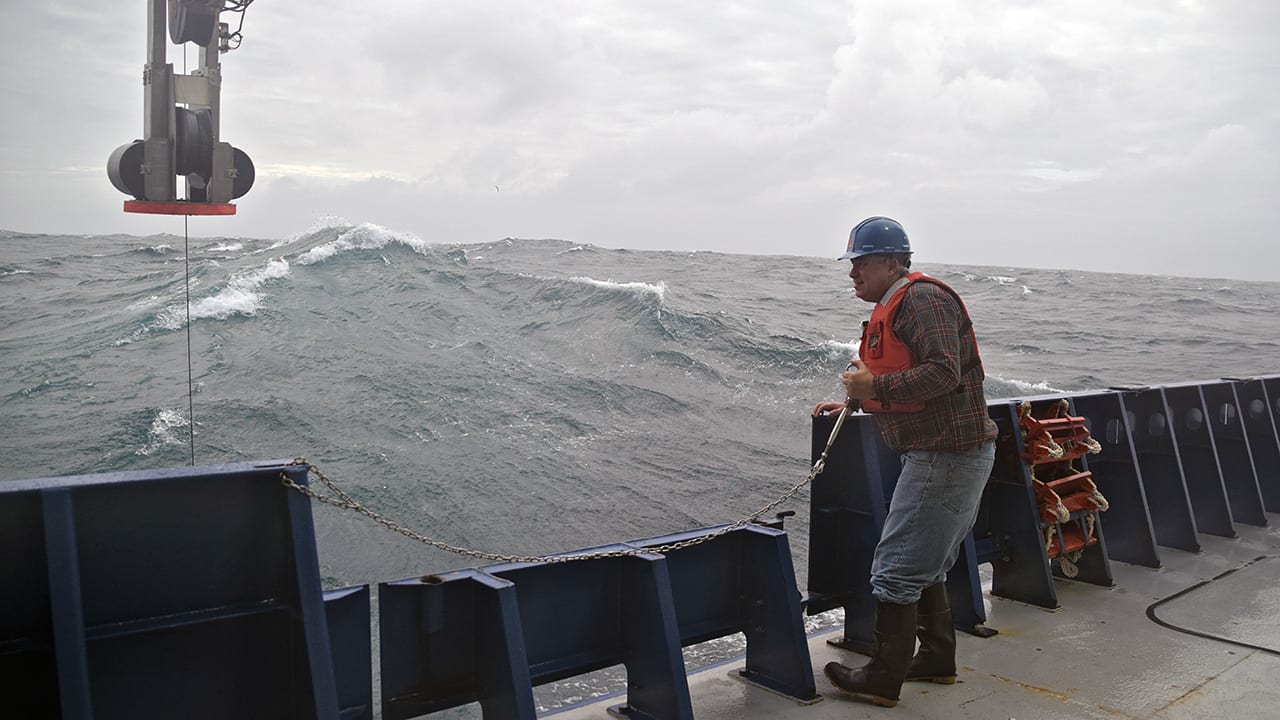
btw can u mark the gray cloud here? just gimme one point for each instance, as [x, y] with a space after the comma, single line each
[1135, 138]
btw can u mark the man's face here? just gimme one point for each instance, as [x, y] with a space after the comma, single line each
[872, 275]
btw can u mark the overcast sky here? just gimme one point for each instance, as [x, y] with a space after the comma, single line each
[1139, 136]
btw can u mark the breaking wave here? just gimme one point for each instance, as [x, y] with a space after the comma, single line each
[240, 296]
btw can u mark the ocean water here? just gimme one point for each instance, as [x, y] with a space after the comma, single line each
[522, 396]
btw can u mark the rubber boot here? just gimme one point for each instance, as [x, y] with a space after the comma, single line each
[936, 659]
[880, 681]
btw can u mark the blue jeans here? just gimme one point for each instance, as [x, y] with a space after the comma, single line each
[934, 506]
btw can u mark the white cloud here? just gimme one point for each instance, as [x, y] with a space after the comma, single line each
[745, 126]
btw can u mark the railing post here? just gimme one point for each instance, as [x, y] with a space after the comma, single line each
[1193, 428]
[1115, 470]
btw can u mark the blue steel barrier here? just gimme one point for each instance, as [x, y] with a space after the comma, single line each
[1094, 564]
[1198, 453]
[743, 582]
[1008, 527]
[1234, 455]
[1259, 406]
[1176, 460]
[848, 503]
[165, 593]
[1127, 522]
[347, 618]
[847, 508]
[489, 635]
[1150, 426]
[196, 591]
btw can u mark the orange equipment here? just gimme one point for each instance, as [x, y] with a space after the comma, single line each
[1066, 495]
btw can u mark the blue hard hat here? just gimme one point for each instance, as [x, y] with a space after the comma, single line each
[876, 236]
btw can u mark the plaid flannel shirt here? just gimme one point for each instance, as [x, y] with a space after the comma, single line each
[955, 412]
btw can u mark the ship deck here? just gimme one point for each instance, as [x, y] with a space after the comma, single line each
[1212, 650]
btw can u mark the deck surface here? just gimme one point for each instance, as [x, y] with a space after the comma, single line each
[1099, 656]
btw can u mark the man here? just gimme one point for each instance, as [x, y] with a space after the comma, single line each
[919, 374]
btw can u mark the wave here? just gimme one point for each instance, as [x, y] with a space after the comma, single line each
[690, 365]
[835, 349]
[997, 279]
[658, 289]
[15, 235]
[163, 432]
[240, 296]
[322, 223]
[998, 387]
[366, 236]
[161, 249]
[1026, 349]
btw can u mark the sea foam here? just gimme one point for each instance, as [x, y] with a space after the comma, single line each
[366, 236]
[240, 296]
[658, 289]
[162, 432]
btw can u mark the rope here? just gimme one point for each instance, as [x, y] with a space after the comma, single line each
[339, 498]
[191, 402]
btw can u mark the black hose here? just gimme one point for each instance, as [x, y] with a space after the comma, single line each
[1151, 611]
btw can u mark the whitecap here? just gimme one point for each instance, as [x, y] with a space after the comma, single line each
[226, 247]
[133, 337]
[322, 223]
[163, 431]
[659, 289]
[1040, 388]
[366, 236]
[144, 303]
[843, 351]
[239, 297]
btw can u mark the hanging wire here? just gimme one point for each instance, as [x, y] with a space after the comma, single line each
[234, 39]
[186, 254]
[191, 402]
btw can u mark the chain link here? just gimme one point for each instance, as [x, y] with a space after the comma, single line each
[340, 499]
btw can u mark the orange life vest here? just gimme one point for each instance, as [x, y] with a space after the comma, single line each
[883, 352]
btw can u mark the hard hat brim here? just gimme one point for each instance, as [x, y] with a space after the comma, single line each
[851, 255]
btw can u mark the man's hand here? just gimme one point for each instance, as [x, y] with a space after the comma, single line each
[858, 382]
[827, 407]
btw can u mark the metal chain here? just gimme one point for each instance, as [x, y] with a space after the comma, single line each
[340, 499]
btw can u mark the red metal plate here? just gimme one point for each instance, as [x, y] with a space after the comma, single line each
[178, 208]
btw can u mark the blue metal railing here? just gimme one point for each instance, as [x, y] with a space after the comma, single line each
[488, 635]
[196, 591]
[164, 593]
[1176, 461]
